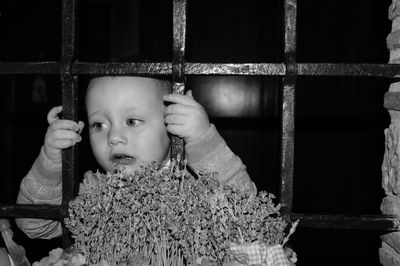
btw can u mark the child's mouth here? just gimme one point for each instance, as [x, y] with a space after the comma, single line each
[123, 159]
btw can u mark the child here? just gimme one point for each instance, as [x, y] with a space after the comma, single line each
[129, 124]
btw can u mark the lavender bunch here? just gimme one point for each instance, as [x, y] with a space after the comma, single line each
[167, 217]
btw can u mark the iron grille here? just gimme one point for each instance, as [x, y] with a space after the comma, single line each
[69, 69]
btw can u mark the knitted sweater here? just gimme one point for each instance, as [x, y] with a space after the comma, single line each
[42, 184]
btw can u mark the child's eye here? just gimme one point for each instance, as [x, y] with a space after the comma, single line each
[132, 122]
[99, 126]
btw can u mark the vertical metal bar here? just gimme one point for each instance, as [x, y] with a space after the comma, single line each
[178, 75]
[288, 107]
[70, 109]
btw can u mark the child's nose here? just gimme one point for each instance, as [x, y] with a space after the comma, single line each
[116, 136]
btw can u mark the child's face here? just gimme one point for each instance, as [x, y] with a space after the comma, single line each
[126, 121]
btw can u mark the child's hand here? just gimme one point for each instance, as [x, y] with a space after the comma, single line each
[61, 134]
[185, 117]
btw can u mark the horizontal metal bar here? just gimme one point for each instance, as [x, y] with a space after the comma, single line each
[328, 69]
[165, 68]
[327, 221]
[29, 67]
[339, 221]
[256, 69]
[235, 69]
[155, 68]
[30, 211]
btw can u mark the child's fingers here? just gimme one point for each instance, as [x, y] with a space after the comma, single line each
[66, 124]
[64, 143]
[175, 129]
[65, 135]
[56, 122]
[53, 114]
[81, 126]
[62, 139]
[175, 119]
[180, 99]
[189, 93]
[179, 109]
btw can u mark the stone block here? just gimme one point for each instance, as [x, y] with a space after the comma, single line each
[393, 40]
[394, 9]
[391, 205]
[391, 100]
[388, 256]
[393, 240]
[391, 160]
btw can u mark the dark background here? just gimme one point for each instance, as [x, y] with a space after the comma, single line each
[340, 121]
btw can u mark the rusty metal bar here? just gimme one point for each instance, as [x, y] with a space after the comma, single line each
[278, 69]
[178, 59]
[30, 211]
[287, 143]
[288, 107]
[331, 221]
[165, 68]
[70, 110]
[364, 70]
[155, 68]
[256, 69]
[338, 221]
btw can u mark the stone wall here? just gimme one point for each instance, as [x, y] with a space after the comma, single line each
[389, 253]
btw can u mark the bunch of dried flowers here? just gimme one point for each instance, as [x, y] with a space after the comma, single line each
[167, 217]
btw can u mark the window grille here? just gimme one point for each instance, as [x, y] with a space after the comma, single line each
[70, 68]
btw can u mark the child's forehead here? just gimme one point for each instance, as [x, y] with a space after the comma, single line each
[126, 80]
[138, 84]
[110, 92]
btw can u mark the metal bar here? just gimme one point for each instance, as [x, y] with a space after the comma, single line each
[155, 68]
[29, 68]
[248, 69]
[364, 70]
[329, 221]
[339, 221]
[288, 107]
[70, 110]
[278, 69]
[178, 74]
[30, 211]
[165, 68]
[287, 142]
[68, 30]
[256, 69]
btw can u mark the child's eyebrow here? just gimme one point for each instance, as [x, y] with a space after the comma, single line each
[135, 110]
[126, 111]
[94, 113]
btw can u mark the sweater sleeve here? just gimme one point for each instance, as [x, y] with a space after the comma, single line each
[210, 153]
[42, 185]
